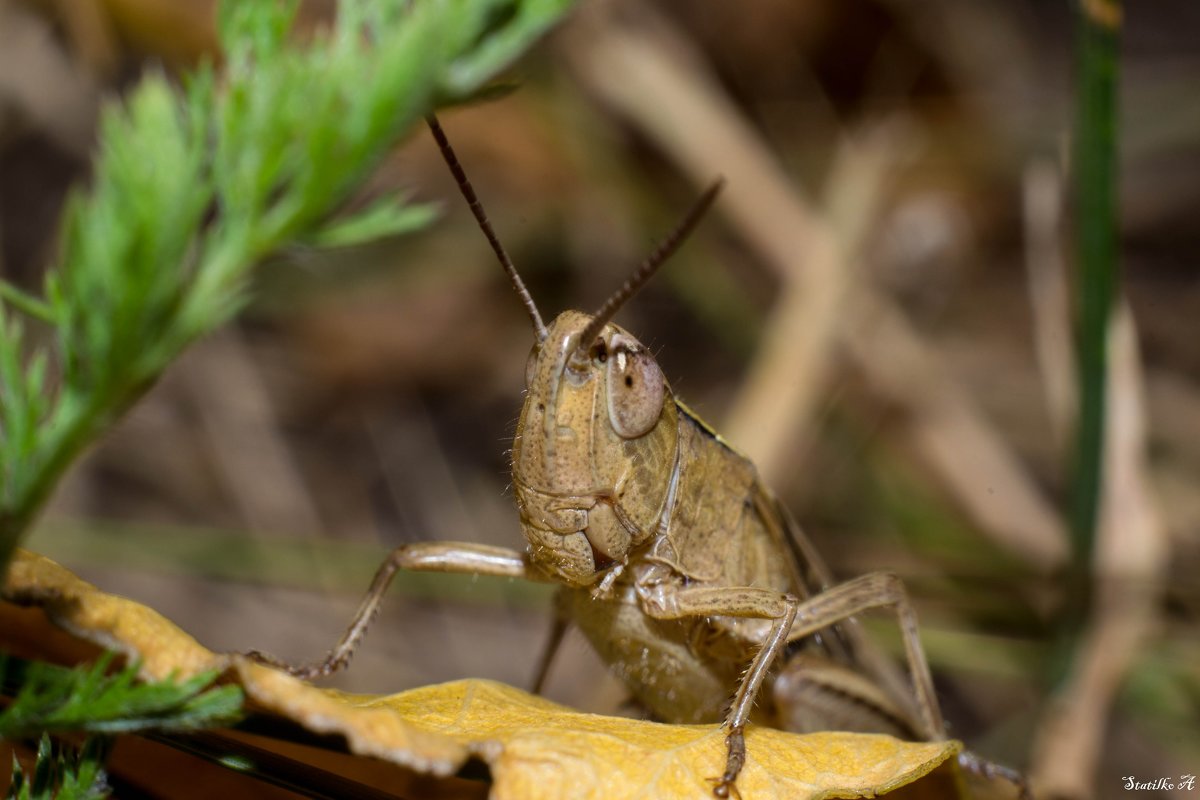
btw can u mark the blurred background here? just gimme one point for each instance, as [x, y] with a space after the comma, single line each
[877, 311]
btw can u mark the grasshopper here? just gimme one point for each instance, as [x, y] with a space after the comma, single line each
[682, 569]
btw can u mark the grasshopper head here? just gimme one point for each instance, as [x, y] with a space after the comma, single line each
[595, 445]
[594, 448]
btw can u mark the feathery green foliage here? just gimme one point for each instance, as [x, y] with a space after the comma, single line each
[56, 700]
[62, 773]
[50, 699]
[194, 187]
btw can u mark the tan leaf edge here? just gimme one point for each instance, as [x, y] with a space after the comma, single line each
[534, 748]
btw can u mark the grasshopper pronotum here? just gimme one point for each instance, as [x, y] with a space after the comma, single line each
[686, 574]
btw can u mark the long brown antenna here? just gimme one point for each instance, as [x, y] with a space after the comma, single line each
[647, 268]
[468, 192]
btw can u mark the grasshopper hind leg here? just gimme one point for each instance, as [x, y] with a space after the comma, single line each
[989, 771]
[812, 692]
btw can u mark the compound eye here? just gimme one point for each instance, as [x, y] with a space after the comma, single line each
[531, 366]
[635, 390]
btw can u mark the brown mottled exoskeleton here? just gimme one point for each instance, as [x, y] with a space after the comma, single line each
[683, 570]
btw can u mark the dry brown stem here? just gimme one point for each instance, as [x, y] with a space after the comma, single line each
[1042, 210]
[950, 435]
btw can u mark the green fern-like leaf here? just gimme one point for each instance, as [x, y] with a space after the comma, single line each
[61, 773]
[193, 188]
[53, 699]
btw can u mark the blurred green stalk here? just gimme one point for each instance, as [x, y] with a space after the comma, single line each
[1096, 256]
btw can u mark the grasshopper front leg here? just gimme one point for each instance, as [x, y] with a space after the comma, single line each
[671, 601]
[454, 557]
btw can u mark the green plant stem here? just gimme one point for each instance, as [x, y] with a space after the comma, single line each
[26, 303]
[63, 449]
[1096, 231]
[1095, 199]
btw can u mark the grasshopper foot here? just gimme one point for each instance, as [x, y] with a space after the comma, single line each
[977, 765]
[303, 671]
[734, 761]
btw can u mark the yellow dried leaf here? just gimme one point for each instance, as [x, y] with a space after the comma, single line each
[540, 749]
[535, 748]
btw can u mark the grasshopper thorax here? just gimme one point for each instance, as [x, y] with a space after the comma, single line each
[596, 435]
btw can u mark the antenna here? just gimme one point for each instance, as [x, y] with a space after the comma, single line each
[468, 193]
[647, 268]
